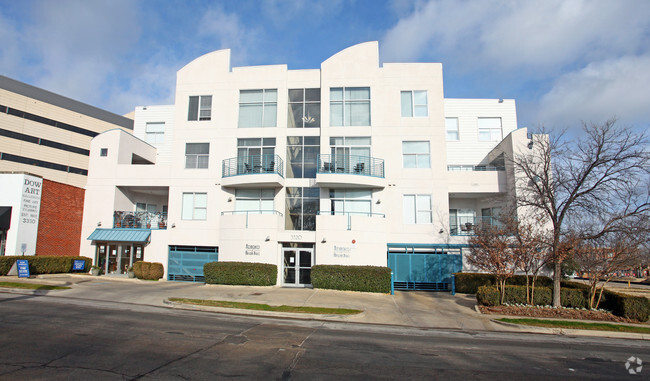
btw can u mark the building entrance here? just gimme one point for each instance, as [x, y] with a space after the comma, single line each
[116, 258]
[296, 265]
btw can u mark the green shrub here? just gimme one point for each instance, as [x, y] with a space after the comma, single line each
[468, 283]
[351, 278]
[148, 270]
[240, 273]
[489, 296]
[627, 306]
[43, 264]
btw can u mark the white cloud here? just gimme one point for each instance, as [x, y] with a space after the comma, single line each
[229, 32]
[599, 91]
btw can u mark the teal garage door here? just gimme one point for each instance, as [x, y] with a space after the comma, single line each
[424, 267]
[185, 263]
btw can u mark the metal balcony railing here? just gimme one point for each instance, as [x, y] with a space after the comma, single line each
[349, 214]
[251, 212]
[479, 168]
[253, 164]
[467, 225]
[139, 219]
[351, 164]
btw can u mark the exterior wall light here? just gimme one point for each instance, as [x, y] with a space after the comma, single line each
[324, 240]
[268, 238]
[99, 223]
[173, 225]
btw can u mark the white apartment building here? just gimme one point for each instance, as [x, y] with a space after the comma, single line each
[355, 163]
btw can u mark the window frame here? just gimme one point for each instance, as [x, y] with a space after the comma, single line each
[344, 102]
[417, 155]
[196, 156]
[194, 207]
[158, 136]
[197, 110]
[416, 210]
[264, 103]
[453, 131]
[304, 104]
[345, 198]
[414, 107]
[495, 133]
[262, 194]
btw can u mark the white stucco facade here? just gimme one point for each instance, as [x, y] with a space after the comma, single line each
[375, 163]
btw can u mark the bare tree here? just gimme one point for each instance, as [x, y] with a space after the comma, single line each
[491, 251]
[603, 174]
[531, 251]
[601, 256]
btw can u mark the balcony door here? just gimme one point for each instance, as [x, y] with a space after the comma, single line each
[350, 154]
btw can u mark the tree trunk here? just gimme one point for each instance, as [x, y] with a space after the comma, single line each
[527, 290]
[601, 293]
[532, 291]
[557, 277]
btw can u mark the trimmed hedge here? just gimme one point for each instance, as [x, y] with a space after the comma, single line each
[43, 264]
[627, 306]
[351, 278]
[148, 270]
[468, 283]
[489, 296]
[240, 273]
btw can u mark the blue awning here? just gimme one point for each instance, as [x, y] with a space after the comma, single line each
[121, 235]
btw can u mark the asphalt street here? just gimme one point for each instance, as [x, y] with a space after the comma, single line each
[57, 338]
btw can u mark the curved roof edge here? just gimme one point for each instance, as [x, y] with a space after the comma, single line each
[219, 58]
[363, 49]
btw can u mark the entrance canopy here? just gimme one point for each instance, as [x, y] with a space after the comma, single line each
[121, 235]
[5, 217]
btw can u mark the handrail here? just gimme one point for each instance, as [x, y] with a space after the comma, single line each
[466, 225]
[253, 211]
[338, 213]
[252, 164]
[477, 168]
[350, 164]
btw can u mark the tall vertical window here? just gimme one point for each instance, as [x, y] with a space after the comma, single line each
[304, 108]
[258, 108]
[350, 106]
[489, 130]
[357, 202]
[197, 155]
[155, 132]
[302, 206]
[302, 154]
[254, 200]
[414, 103]
[350, 153]
[451, 125]
[256, 155]
[195, 206]
[416, 154]
[200, 108]
[417, 209]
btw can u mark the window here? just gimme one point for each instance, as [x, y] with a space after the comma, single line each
[489, 130]
[256, 155]
[258, 108]
[195, 206]
[143, 207]
[304, 108]
[490, 216]
[302, 206]
[357, 202]
[414, 103]
[254, 200]
[302, 153]
[350, 154]
[103, 152]
[417, 209]
[155, 133]
[200, 108]
[350, 106]
[451, 125]
[197, 155]
[416, 155]
[461, 221]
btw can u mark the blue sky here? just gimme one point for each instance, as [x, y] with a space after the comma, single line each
[564, 61]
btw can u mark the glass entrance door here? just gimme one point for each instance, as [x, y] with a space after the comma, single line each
[297, 266]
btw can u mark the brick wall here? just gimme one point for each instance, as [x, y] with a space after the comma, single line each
[59, 224]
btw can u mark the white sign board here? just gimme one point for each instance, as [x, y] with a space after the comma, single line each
[30, 208]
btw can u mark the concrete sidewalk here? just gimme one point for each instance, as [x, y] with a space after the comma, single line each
[416, 309]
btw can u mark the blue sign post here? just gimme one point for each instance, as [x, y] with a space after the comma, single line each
[23, 268]
[78, 265]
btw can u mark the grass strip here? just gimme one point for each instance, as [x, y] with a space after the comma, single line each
[32, 286]
[266, 307]
[578, 325]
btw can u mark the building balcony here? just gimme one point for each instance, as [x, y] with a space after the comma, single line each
[467, 225]
[476, 180]
[358, 221]
[350, 171]
[259, 171]
[139, 220]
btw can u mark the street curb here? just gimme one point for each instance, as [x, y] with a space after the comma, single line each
[285, 315]
[573, 332]
[24, 291]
